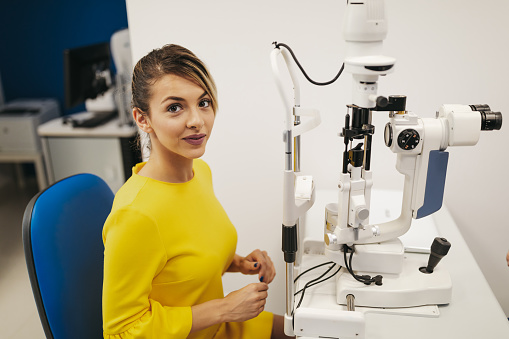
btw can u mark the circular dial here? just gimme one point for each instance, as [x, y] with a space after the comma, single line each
[408, 139]
[388, 134]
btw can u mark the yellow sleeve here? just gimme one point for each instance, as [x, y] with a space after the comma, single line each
[259, 327]
[134, 254]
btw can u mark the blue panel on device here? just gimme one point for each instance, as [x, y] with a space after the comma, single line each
[435, 183]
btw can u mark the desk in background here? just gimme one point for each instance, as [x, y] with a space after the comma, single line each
[108, 151]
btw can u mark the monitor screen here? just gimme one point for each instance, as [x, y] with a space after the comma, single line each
[86, 73]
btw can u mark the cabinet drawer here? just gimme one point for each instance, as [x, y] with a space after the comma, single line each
[18, 135]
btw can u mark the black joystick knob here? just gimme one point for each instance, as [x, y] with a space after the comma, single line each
[396, 103]
[382, 101]
[439, 249]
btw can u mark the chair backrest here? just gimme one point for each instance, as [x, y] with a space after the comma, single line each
[62, 239]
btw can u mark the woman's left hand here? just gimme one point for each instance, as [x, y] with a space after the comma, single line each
[257, 262]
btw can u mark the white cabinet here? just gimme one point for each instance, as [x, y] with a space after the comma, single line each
[19, 120]
[18, 134]
[19, 142]
[107, 151]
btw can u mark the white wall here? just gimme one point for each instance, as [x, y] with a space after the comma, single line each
[448, 52]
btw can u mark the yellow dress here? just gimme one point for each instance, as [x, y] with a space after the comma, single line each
[166, 248]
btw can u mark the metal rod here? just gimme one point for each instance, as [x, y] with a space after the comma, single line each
[367, 150]
[350, 306]
[296, 154]
[289, 288]
[288, 150]
[296, 143]
[346, 140]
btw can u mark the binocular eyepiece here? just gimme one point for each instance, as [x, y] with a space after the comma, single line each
[489, 120]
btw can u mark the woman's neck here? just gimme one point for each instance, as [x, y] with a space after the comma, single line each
[174, 169]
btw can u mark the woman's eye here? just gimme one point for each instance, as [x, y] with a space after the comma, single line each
[174, 108]
[205, 103]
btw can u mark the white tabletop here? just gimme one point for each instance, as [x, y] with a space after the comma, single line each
[112, 128]
[474, 312]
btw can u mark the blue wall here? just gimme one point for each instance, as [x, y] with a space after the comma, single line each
[34, 34]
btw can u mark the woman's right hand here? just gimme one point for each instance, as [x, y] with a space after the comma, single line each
[246, 303]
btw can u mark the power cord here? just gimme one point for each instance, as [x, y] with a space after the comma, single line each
[313, 282]
[316, 281]
[310, 269]
[365, 279]
[278, 45]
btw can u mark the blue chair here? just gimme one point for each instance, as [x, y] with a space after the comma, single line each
[62, 239]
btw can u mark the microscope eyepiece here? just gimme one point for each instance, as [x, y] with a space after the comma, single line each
[489, 120]
[480, 107]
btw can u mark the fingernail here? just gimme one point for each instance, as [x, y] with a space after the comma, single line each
[256, 264]
[261, 279]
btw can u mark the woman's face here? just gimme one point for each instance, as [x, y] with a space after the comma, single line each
[181, 117]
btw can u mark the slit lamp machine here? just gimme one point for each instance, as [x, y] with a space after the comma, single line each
[382, 277]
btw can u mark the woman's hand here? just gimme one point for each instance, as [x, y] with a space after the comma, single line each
[240, 305]
[245, 303]
[257, 262]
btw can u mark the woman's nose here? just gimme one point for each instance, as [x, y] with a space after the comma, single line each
[195, 120]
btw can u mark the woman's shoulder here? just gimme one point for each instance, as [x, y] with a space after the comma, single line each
[129, 191]
[202, 170]
[201, 165]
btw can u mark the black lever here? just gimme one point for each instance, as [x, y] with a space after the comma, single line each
[439, 249]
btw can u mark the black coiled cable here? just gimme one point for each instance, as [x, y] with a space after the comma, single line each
[278, 45]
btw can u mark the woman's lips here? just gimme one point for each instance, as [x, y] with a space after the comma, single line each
[195, 139]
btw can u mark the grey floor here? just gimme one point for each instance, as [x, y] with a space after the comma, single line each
[18, 313]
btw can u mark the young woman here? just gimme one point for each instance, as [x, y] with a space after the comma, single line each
[167, 239]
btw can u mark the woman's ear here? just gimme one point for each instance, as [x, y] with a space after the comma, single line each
[142, 120]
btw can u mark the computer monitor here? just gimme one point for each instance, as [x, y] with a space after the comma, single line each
[86, 73]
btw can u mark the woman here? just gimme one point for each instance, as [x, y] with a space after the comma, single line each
[167, 239]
